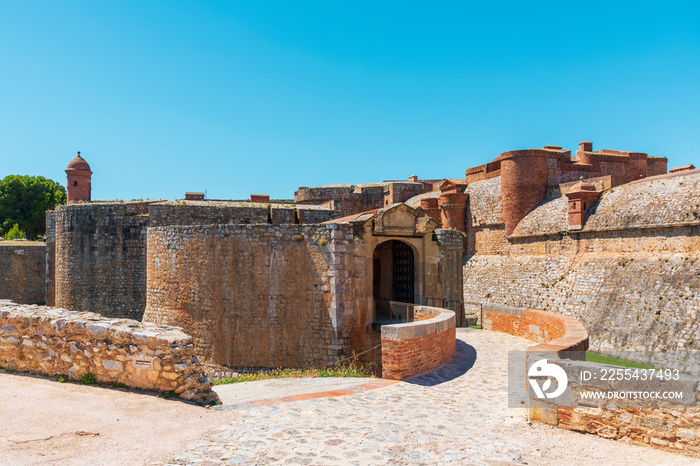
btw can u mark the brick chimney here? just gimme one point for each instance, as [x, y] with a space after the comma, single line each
[585, 146]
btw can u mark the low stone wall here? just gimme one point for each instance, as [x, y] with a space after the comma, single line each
[22, 269]
[416, 347]
[554, 333]
[54, 341]
[670, 424]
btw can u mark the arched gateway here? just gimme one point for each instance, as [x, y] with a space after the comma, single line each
[393, 281]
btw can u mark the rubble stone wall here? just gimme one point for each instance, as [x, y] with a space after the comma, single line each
[669, 424]
[261, 295]
[22, 269]
[54, 341]
[100, 263]
[636, 291]
[206, 213]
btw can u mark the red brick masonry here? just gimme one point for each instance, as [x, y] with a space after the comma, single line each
[416, 347]
[553, 332]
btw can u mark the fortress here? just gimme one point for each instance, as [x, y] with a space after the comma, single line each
[608, 237]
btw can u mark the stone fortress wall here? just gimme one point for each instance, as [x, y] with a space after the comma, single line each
[631, 274]
[515, 213]
[100, 265]
[285, 295]
[96, 252]
[265, 296]
[22, 271]
[354, 198]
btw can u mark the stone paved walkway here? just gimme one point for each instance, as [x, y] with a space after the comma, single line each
[456, 414]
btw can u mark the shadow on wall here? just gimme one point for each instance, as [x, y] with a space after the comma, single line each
[463, 360]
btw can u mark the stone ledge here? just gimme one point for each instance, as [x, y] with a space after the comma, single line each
[443, 320]
[54, 341]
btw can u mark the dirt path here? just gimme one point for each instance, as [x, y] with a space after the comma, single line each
[45, 422]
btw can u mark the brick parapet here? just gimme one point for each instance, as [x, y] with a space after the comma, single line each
[54, 341]
[413, 348]
[554, 333]
[671, 424]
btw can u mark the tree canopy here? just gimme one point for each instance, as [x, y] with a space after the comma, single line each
[24, 201]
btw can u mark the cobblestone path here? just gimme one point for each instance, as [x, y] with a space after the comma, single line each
[456, 414]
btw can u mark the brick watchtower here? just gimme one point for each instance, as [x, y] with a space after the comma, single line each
[453, 205]
[79, 180]
[581, 198]
[431, 209]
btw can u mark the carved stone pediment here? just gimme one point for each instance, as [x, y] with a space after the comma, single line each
[402, 220]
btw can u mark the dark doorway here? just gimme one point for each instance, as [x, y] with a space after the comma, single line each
[394, 282]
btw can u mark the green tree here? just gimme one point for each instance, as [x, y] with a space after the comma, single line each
[15, 233]
[24, 201]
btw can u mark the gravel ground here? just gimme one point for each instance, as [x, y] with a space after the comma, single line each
[457, 414]
[46, 422]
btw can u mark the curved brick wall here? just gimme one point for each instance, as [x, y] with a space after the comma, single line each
[100, 263]
[523, 183]
[416, 347]
[554, 332]
[453, 208]
[669, 425]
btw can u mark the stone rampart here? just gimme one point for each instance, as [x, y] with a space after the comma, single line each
[100, 258]
[206, 213]
[54, 341]
[22, 270]
[261, 295]
[637, 291]
[413, 348]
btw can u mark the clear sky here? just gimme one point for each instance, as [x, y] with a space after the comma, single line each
[233, 97]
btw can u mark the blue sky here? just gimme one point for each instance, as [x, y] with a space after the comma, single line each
[262, 97]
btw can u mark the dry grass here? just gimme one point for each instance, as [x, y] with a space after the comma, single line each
[351, 369]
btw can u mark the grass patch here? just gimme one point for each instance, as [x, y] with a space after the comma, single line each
[351, 369]
[478, 327]
[595, 357]
[88, 379]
